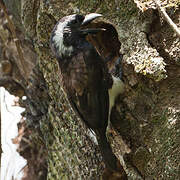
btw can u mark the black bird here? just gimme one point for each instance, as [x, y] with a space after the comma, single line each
[85, 78]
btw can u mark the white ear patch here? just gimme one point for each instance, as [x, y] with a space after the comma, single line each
[58, 40]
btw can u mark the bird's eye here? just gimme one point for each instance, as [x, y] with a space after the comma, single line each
[74, 21]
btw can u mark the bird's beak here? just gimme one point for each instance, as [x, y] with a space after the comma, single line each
[88, 19]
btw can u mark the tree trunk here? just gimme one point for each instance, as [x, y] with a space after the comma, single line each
[146, 118]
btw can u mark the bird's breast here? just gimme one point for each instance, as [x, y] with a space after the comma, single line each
[117, 88]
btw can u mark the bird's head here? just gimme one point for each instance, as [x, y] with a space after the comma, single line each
[68, 32]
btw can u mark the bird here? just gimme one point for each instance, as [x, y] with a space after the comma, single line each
[108, 46]
[85, 78]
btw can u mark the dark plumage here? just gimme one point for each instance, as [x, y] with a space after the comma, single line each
[85, 78]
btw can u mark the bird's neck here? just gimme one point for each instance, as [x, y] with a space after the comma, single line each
[75, 42]
[74, 39]
[69, 44]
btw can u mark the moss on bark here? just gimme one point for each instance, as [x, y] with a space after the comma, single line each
[146, 117]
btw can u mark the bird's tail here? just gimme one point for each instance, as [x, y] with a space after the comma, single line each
[109, 158]
[113, 166]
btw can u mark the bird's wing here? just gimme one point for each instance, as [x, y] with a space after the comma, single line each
[87, 88]
[78, 74]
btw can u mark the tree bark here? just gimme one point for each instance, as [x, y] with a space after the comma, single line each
[146, 118]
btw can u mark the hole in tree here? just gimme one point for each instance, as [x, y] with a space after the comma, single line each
[106, 42]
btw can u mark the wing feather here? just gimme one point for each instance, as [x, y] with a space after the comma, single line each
[87, 88]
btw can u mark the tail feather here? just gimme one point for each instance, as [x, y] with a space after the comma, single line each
[106, 151]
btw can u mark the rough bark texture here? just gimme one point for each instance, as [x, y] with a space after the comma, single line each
[146, 116]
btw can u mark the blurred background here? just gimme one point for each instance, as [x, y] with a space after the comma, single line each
[12, 164]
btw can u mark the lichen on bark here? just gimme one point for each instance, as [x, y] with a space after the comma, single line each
[146, 116]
